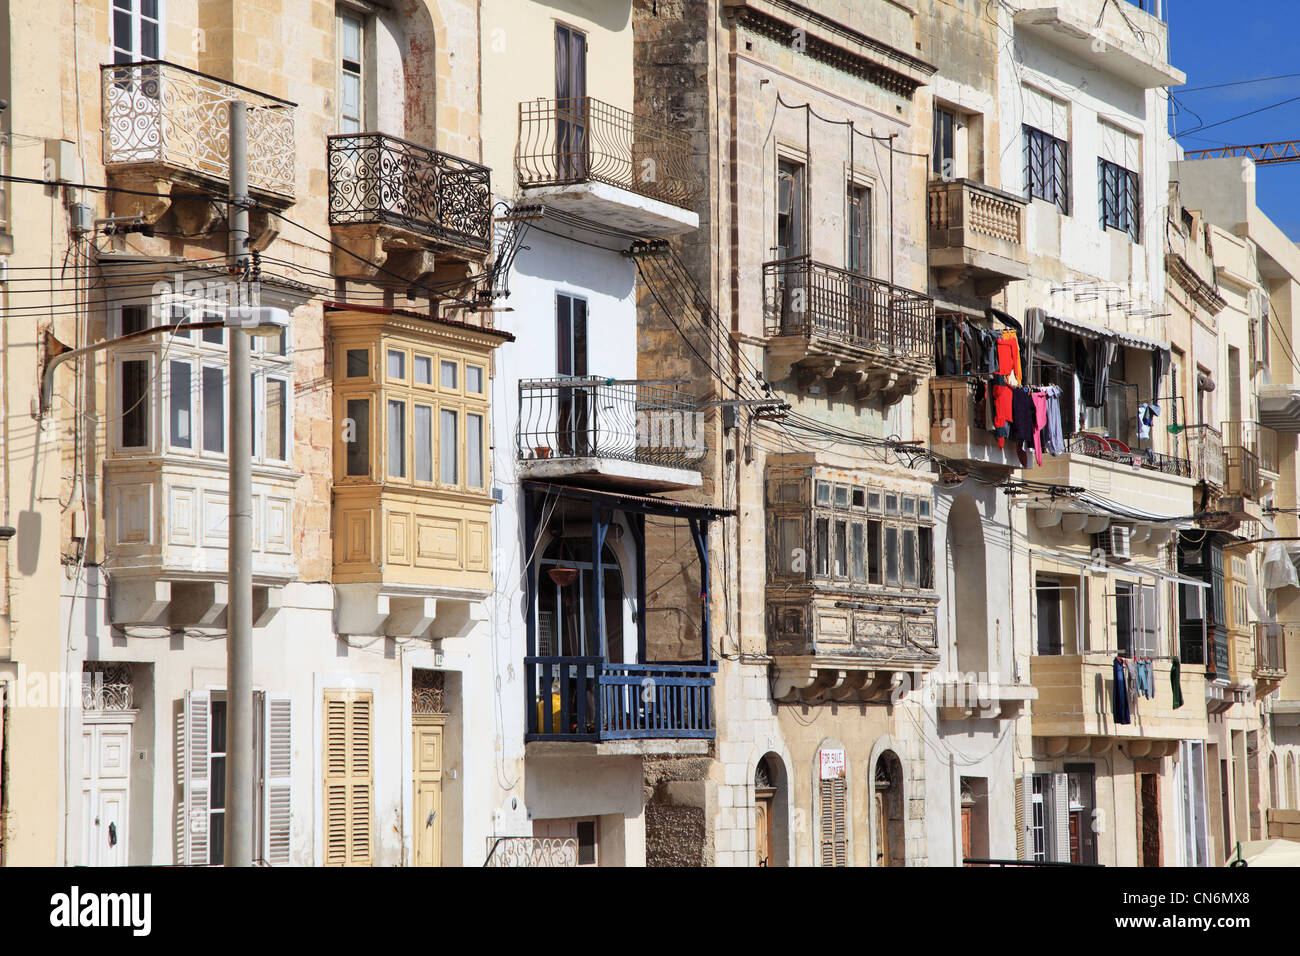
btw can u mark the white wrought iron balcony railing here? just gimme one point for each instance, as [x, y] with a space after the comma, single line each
[159, 114]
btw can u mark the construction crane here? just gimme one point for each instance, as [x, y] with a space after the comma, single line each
[1264, 154]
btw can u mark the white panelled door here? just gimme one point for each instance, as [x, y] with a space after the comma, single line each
[106, 792]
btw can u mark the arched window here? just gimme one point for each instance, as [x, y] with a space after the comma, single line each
[566, 615]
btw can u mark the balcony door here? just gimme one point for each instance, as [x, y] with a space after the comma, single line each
[792, 278]
[571, 103]
[573, 405]
[566, 615]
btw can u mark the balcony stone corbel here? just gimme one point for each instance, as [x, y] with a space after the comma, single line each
[151, 207]
[360, 254]
[1074, 522]
[415, 265]
[1100, 746]
[851, 688]
[457, 618]
[359, 609]
[263, 228]
[814, 372]
[195, 215]
[139, 601]
[410, 616]
[266, 604]
[199, 603]
[1055, 746]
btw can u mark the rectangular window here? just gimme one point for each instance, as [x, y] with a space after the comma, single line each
[180, 405]
[213, 336]
[789, 542]
[1125, 616]
[474, 451]
[859, 227]
[859, 554]
[823, 493]
[135, 403]
[351, 33]
[217, 783]
[178, 318]
[909, 557]
[586, 842]
[841, 549]
[135, 318]
[789, 210]
[423, 443]
[448, 447]
[277, 419]
[358, 363]
[474, 379]
[925, 545]
[1046, 168]
[873, 552]
[396, 439]
[943, 156]
[423, 370]
[823, 546]
[1119, 198]
[1147, 637]
[136, 33]
[214, 409]
[396, 364]
[447, 374]
[358, 430]
[891, 555]
[1047, 596]
[571, 336]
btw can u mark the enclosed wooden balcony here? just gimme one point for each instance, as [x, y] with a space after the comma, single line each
[604, 164]
[413, 209]
[955, 430]
[842, 332]
[167, 131]
[1270, 650]
[977, 233]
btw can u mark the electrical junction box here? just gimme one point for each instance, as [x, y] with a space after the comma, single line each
[60, 161]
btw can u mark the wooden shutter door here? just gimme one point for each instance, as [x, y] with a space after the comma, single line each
[277, 796]
[1061, 816]
[194, 782]
[834, 844]
[349, 772]
[1024, 816]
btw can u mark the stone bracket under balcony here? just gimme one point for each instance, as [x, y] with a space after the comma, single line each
[853, 378]
[174, 604]
[806, 680]
[374, 610]
[1094, 746]
[1279, 407]
[974, 699]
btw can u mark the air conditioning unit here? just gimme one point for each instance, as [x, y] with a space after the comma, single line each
[1114, 543]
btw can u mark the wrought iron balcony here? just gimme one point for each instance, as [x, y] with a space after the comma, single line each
[579, 423]
[581, 140]
[868, 317]
[1270, 649]
[379, 179]
[591, 699]
[526, 851]
[1114, 450]
[976, 230]
[158, 115]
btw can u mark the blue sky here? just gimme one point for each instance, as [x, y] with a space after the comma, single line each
[1212, 43]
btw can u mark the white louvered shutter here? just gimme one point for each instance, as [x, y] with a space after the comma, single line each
[195, 781]
[277, 777]
[1061, 816]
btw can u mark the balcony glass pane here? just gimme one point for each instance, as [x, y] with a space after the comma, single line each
[789, 543]
[357, 429]
[135, 403]
[358, 363]
[909, 557]
[423, 370]
[873, 552]
[859, 553]
[474, 451]
[474, 379]
[423, 443]
[277, 419]
[448, 374]
[823, 546]
[448, 447]
[396, 364]
[891, 556]
[396, 439]
[841, 549]
[214, 409]
[180, 406]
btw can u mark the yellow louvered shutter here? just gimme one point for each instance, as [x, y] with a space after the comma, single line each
[349, 778]
[1022, 817]
[834, 828]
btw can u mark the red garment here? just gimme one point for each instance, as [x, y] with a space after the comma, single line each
[1009, 358]
[1002, 412]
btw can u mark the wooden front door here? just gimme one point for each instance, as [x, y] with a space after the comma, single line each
[763, 824]
[966, 853]
[105, 790]
[882, 829]
[427, 773]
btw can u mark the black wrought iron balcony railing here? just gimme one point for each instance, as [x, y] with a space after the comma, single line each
[577, 140]
[589, 698]
[158, 113]
[804, 297]
[376, 178]
[626, 419]
[1114, 450]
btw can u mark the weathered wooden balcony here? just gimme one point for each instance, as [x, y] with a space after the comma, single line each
[954, 430]
[1270, 650]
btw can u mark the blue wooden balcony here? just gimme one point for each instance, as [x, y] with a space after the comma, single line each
[591, 699]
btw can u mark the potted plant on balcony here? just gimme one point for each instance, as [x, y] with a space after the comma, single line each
[541, 451]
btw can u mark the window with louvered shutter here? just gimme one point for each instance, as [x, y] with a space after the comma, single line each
[349, 778]
[196, 784]
[1061, 816]
[277, 779]
[834, 823]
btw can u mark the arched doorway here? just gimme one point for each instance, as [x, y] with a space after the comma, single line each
[566, 616]
[887, 809]
[967, 587]
[771, 813]
[1274, 795]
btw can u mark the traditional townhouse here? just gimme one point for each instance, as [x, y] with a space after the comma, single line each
[977, 247]
[1251, 740]
[370, 222]
[1083, 138]
[804, 306]
[599, 667]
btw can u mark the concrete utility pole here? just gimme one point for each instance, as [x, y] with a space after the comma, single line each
[239, 611]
